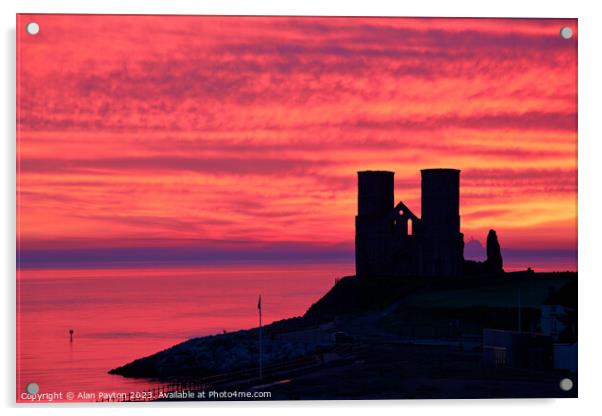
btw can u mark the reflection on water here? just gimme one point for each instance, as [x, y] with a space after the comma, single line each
[118, 315]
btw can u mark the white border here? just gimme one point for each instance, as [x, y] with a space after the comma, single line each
[590, 209]
[509, 8]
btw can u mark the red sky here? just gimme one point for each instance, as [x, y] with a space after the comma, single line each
[246, 132]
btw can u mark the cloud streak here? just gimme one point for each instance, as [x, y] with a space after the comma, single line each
[253, 128]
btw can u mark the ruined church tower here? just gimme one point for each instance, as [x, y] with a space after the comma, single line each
[442, 242]
[374, 223]
[384, 246]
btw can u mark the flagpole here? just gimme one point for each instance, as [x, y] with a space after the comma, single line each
[260, 341]
[520, 320]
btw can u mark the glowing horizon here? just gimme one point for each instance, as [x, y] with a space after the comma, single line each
[247, 132]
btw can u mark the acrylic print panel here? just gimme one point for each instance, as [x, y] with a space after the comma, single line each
[274, 208]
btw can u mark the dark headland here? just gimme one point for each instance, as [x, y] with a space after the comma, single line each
[416, 321]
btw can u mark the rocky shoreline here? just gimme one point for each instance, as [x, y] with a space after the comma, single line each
[353, 306]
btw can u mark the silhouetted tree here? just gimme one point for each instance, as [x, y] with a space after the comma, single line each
[494, 262]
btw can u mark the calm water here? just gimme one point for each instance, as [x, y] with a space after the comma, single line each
[121, 314]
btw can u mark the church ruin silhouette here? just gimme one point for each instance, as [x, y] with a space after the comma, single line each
[390, 240]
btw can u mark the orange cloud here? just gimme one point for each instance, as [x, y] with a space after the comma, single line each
[252, 129]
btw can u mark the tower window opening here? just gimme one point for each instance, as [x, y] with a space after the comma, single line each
[410, 222]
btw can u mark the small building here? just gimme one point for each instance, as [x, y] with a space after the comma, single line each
[559, 321]
[559, 314]
[552, 322]
[517, 349]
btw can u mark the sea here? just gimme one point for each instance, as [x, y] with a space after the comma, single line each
[120, 314]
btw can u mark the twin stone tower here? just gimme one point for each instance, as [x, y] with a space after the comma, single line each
[390, 240]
